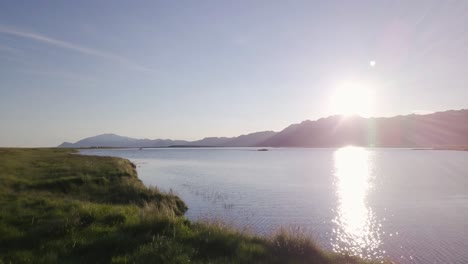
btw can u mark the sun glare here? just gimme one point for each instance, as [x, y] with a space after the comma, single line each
[353, 99]
[357, 229]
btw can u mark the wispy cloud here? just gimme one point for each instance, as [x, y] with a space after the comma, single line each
[74, 47]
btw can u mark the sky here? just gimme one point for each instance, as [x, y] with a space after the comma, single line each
[192, 69]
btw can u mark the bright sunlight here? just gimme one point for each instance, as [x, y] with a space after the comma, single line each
[353, 99]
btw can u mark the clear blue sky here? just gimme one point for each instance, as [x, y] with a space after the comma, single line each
[190, 69]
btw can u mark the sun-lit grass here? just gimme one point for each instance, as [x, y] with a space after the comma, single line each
[59, 207]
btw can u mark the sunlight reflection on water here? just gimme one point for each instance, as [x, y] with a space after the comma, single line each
[357, 230]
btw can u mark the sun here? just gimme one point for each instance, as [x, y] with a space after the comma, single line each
[353, 99]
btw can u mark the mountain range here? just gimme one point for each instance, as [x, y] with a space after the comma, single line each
[449, 128]
[113, 140]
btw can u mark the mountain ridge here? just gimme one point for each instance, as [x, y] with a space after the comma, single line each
[446, 128]
[113, 140]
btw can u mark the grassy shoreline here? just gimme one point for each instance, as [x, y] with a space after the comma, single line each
[57, 207]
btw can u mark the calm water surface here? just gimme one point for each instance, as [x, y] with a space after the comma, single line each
[407, 205]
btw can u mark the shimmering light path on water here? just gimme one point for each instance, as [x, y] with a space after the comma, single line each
[357, 228]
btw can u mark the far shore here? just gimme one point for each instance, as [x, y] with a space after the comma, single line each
[454, 148]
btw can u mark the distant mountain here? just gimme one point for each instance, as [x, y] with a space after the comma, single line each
[248, 140]
[113, 140]
[449, 128]
[210, 142]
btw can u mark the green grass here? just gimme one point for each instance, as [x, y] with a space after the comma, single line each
[59, 207]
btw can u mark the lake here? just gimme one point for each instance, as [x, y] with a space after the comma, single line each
[407, 205]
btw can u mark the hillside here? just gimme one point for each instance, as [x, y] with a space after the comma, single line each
[116, 141]
[248, 140]
[442, 129]
[449, 128]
